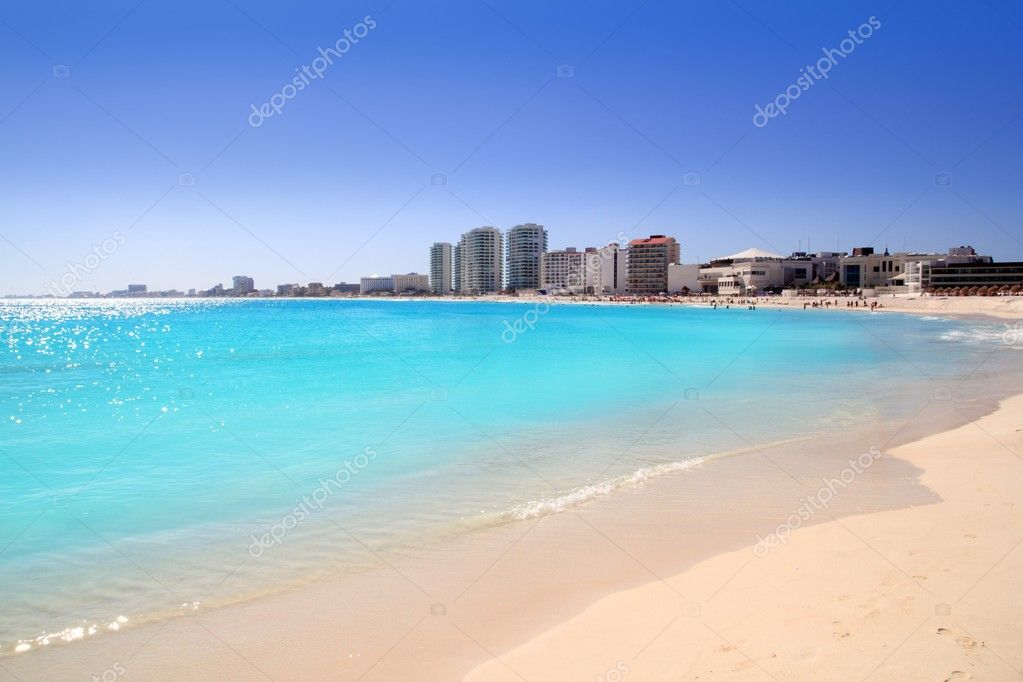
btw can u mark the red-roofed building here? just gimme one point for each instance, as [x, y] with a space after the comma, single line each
[648, 263]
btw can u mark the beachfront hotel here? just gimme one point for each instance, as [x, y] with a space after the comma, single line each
[614, 268]
[411, 282]
[648, 261]
[456, 259]
[526, 244]
[480, 261]
[570, 271]
[369, 285]
[753, 270]
[440, 268]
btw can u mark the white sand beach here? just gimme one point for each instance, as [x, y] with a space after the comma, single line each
[929, 592]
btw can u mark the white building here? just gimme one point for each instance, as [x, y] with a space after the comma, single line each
[526, 243]
[571, 271]
[457, 261]
[752, 271]
[648, 263]
[440, 268]
[411, 282]
[614, 268]
[241, 285]
[916, 273]
[481, 261]
[684, 278]
[369, 285]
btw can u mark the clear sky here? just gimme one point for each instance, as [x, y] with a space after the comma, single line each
[130, 122]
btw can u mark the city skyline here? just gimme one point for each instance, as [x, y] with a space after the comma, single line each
[445, 268]
[603, 121]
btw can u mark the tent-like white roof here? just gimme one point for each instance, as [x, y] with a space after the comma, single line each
[750, 254]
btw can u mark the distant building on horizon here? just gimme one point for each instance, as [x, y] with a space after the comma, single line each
[243, 285]
[561, 271]
[481, 260]
[614, 268]
[754, 270]
[457, 263]
[346, 288]
[526, 244]
[441, 268]
[412, 282]
[649, 259]
[369, 285]
[137, 289]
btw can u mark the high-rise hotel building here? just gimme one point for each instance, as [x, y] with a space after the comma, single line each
[648, 264]
[480, 258]
[440, 268]
[526, 245]
[458, 267]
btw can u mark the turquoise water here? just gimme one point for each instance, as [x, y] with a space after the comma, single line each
[155, 456]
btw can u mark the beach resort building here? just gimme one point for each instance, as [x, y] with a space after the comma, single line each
[481, 261]
[865, 269]
[347, 288]
[977, 274]
[684, 278]
[648, 263]
[825, 263]
[375, 284]
[526, 243]
[754, 270]
[440, 268]
[243, 285]
[910, 273]
[562, 271]
[916, 275]
[457, 261]
[412, 282]
[614, 268]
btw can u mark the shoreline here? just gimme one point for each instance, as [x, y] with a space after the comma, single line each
[499, 589]
[992, 307]
[928, 591]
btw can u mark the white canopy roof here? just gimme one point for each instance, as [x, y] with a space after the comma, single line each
[750, 254]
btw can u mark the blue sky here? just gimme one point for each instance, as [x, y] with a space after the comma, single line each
[338, 185]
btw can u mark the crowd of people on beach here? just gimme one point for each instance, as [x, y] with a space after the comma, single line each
[728, 302]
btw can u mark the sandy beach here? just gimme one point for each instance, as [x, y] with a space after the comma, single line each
[929, 592]
[1000, 307]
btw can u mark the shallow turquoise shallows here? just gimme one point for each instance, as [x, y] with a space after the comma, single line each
[158, 454]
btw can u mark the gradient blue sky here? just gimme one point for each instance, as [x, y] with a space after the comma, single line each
[339, 185]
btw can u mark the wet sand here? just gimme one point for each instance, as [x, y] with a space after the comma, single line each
[928, 592]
